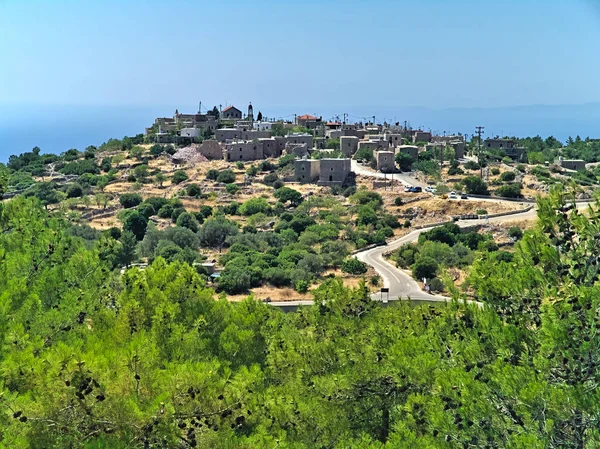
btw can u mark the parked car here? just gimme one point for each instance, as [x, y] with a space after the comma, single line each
[416, 189]
[407, 188]
[429, 189]
[463, 196]
[452, 195]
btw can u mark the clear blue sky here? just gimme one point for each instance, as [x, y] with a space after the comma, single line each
[279, 53]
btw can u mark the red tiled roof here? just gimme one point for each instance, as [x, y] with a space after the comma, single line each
[230, 107]
[307, 117]
[333, 124]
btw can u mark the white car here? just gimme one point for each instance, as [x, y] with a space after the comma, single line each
[429, 189]
[452, 196]
[407, 188]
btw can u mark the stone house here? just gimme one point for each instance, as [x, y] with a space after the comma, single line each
[269, 147]
[211, 149]
[385, 161]
[394, 139]
[309, 121]
[307, 170]
[420, 136]
[231, 113]
[334, 171]
[572, 164]
[375, 145]
[411, 150]
[348, 145]
[243, 151]
[298, 149]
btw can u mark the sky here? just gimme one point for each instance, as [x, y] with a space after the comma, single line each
[299, 56]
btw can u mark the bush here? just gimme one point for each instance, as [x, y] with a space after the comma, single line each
[506, 160]
[74, 191]
[455, 171]
[278, 184]
[146, 209]
[398, 201]
[495, 171]
[472, 165]
[436, 285]
[510, 190]
[481, 212]
[235, 280]
[226, 177]
[407, 223]
[425, 267]
[255, 206]
[193, 190]
[521, 168]
[508, 176]
[212, 174]
[156, 202]
[165, 211]
[187, 220]
[129, 200]
[177, 211]
[302, 286]
[232, 189]
[179, 176]
[354, 266]
[515, 233]
[475, 185]
[270, 179]
[136, 223]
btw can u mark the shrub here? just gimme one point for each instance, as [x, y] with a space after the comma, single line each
[193, 190]
[354, 266]
[232, 189]
[239, 165]
[455, 171]
[481, 212]
[136, 223]
[425, 267]
[156, 202]
[510, 190]
[436, 285]
[212, 174]
[255, 206]
[515, 232]
[398, 201]
[146, 209]
[508, 176]
[165, 211]
[521, 168]
[302, 286]
[472, 165]
[179, 176]
[74, 191]
[407, 223]
[226, 177]
[270, 179]
[475, 185]
[187, 220]
[278, 184]
[177, 211]
[129, 200]
[495, 171]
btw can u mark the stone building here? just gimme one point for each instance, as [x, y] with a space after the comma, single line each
[231, 113]
[394, 139]
[243, 151]
[348, 145]
[375, 145]
[225, 134]
[420, 136]
[572, 164]
[509, 146]
[298, 149]
[211, 149]
[459, 147]
[411, 150]
[269, 147]
[309, 121]
[334, 171]
[385, 161]
[307, 170]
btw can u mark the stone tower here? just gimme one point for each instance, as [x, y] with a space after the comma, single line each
[250, 113]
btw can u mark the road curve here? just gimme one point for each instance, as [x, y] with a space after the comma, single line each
[401, 285]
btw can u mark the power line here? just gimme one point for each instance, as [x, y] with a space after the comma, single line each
[479, 133]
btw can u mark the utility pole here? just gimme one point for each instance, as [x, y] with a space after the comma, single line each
[479, 132]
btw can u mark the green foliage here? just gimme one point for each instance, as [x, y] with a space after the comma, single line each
[129, 200]
[136, 223]
[471, 165]
[74, 191]
[285, 194]
[430, 168]
[404, 161]
[80, 167]
[187, 220]
[226, 177]
[333, 144]
[255, 206]
[354, 266]
[232, 189]
[193, 190]
[179, 176]
[475, 185]
[425, 267]
[515, 233]
[510, 190]
[508, 176]
[214, 232]
[366, 154]
[496, 171]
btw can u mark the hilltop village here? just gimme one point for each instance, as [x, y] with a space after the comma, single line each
[273, 207]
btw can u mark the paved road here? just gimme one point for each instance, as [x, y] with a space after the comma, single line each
[404, 178]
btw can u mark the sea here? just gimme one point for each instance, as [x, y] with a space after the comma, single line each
[58, 128]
